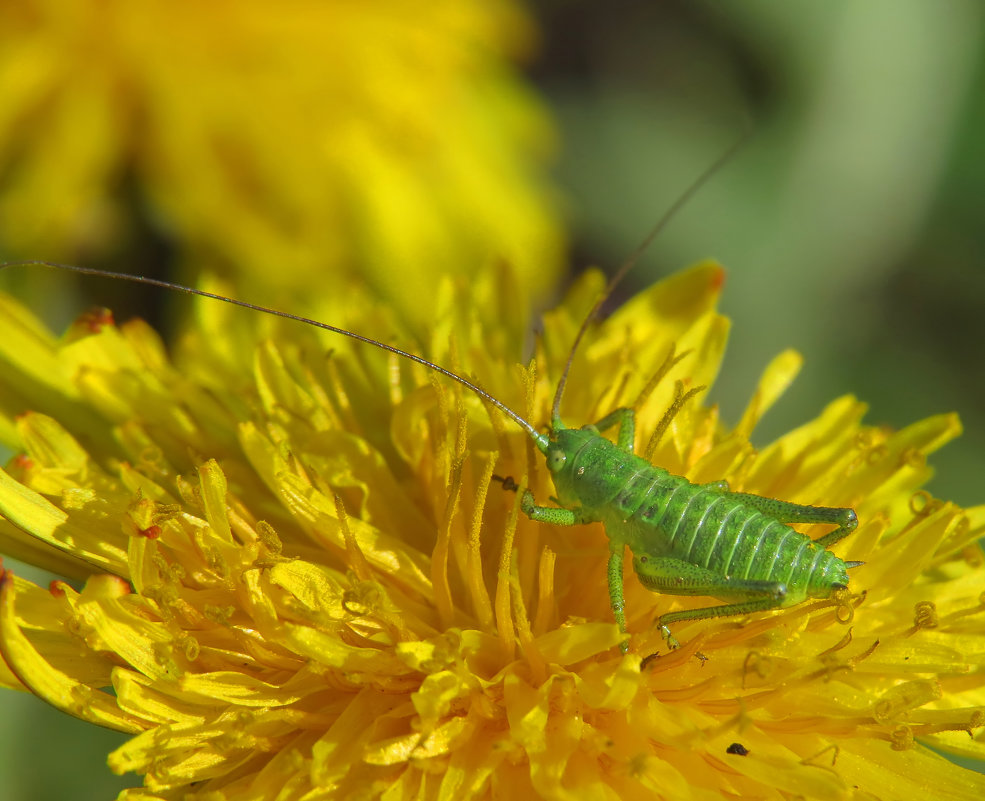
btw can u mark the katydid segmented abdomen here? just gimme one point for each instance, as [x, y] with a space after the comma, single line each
[689, 539]
[666, 516]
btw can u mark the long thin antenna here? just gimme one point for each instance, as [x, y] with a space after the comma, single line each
[630, 262]
[139, 279]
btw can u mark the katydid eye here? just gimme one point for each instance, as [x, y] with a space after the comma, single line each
[556, 459]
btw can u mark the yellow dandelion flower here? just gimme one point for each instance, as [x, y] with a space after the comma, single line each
[301, 581]
[390, 139]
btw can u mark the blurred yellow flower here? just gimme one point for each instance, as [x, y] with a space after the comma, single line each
[287, 142]
[302, 583]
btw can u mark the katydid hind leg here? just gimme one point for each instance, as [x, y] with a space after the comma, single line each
[722, 610]
[785, 512]
[678, 577]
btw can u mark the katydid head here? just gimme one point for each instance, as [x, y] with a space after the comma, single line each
[563, 447]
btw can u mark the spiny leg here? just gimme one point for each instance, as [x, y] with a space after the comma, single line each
[763, 604]
[785, 512]
[555, 515]
[616, 598]
[571, 517]
[677, 577]
[558, 516]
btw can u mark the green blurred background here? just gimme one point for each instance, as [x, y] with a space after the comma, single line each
[852, 223]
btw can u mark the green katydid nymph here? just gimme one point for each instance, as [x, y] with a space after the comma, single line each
[685, 538]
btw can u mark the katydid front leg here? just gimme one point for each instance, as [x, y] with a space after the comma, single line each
[558, 516]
